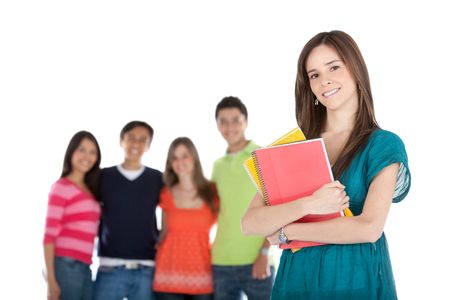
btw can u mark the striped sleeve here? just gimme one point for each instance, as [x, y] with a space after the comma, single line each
[57, 198]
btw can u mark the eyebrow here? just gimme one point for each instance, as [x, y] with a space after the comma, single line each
[328, 63]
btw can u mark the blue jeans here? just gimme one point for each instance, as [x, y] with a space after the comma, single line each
[74, 279]
[119, 283]
[231, 282]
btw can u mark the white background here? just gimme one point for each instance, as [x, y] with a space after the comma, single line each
[67, 66]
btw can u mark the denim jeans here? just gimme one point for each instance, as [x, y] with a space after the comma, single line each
[74, 279]
[231, 282]
[119, 283]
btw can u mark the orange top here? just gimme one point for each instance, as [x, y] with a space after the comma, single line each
[183, 259]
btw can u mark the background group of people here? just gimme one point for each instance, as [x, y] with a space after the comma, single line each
[135, 261]
[333, 101]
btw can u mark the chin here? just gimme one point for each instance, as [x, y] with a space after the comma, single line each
[332, 106]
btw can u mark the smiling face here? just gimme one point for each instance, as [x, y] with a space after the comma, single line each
[182, 161]
[232, 123]
[330, 80]
[84, 157]
[135, 143]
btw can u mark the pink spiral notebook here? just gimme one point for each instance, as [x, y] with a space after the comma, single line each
[292, 171]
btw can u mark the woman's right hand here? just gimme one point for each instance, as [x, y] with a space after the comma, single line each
[328, 199]
[53, 290]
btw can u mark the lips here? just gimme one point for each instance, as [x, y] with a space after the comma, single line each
[85, 164]
[331, 92]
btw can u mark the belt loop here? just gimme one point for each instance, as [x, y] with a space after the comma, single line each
[131, 265]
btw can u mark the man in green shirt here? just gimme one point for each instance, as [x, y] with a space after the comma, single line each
[240, 263]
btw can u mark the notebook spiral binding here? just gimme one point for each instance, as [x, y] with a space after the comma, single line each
[261, 179]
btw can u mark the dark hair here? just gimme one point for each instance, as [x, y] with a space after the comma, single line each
[205, 189]
[231, 102]
[91, 177]
[311, 118]
[133, 124]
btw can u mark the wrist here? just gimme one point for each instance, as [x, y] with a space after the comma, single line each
[282, 237]
[264, 251]
[51, 281]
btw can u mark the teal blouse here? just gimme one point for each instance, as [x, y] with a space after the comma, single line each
[349, 271]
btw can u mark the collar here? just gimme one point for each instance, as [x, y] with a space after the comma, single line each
[248, 149]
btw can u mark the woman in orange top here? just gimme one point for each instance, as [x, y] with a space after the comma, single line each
[189, 206]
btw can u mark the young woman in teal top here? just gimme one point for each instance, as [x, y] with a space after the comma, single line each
[334, 101]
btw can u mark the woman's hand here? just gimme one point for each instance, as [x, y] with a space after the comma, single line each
[330, 198]
[53, 290]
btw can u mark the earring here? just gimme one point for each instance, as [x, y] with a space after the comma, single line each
[316, 102]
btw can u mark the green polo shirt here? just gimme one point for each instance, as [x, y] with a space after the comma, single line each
[236, 190]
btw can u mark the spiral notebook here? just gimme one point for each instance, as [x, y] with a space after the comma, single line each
[294, 135]
[292, 171]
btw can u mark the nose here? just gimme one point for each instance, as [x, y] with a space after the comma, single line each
[326, 82]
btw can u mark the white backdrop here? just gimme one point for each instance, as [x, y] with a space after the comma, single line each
[95, 65]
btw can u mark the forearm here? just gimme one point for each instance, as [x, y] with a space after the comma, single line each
[265, 220]
[49, 257]
[365, 228]
[265, 244]
[343, 230]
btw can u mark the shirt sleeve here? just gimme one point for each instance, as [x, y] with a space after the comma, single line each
[387, 148]
[55, 212]
[165, 199]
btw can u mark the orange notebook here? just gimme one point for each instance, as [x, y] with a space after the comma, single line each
[292, 171]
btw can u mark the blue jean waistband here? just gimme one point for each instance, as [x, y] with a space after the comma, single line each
[128, 266]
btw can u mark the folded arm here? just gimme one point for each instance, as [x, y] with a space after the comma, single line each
[265, 220]
[367, 227]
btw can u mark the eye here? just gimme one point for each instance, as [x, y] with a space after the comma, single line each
[334, 68]
[314, 76]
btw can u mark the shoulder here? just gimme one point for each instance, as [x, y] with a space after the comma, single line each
[153, 172]
[154, 176]
[385, 143]
[384, 137]
[108, 170]
[165, 193]
[165, 197]
[218, 164]
[63, 188]
[59, 184]
[219, 161]
[252, 146]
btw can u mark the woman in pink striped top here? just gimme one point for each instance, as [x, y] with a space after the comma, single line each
[72, 221]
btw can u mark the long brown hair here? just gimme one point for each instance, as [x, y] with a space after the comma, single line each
[311, 118]
[205, 188]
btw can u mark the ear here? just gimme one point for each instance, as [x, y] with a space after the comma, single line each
[246, 123]
[147, 147]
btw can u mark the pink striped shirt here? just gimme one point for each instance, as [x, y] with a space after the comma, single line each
[72, 221]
